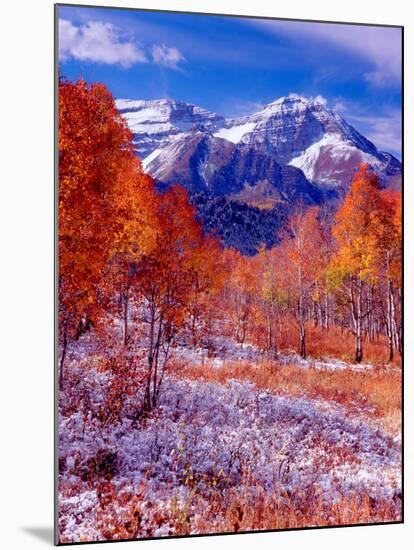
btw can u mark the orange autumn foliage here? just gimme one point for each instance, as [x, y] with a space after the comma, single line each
[358, 227]
[171, 283]
[366, 241]
[105, 200]
[124, 247]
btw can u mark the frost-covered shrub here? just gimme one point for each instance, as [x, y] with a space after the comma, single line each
[229, 442]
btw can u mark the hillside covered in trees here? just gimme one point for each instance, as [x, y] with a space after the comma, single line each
[239, 225]
[212, 379]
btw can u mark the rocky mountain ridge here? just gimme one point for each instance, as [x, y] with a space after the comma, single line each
[206, 152]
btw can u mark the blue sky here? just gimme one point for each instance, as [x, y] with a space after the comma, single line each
[234, 66]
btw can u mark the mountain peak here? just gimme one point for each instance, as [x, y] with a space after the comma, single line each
[297, 100]
[154, 122]
[302, 132]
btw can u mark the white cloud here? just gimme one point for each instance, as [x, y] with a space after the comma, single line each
[380, 46]
[168, 57]
[384, 129]
[339, 107]
[102, 42]
[98, 42]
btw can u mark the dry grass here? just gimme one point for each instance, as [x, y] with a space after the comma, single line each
[332, 343]
[213, 506]
[377, 392]
[335, 343]
[125, 516]
[240, 512]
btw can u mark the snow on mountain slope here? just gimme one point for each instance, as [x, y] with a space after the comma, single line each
[152, 156]
[331, 160]
[235, 133]
[292, 130]
[154, 122]
[288, 126]
[306, 134]
[203, 162]
[191, 158]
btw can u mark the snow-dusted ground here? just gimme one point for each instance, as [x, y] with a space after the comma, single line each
[233, 433]
[226, 349]
[331, 364]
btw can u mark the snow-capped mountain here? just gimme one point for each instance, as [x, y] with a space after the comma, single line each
[203, 162]
[154, 122]
[315, 146]
[306, 134]
[288, 126]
